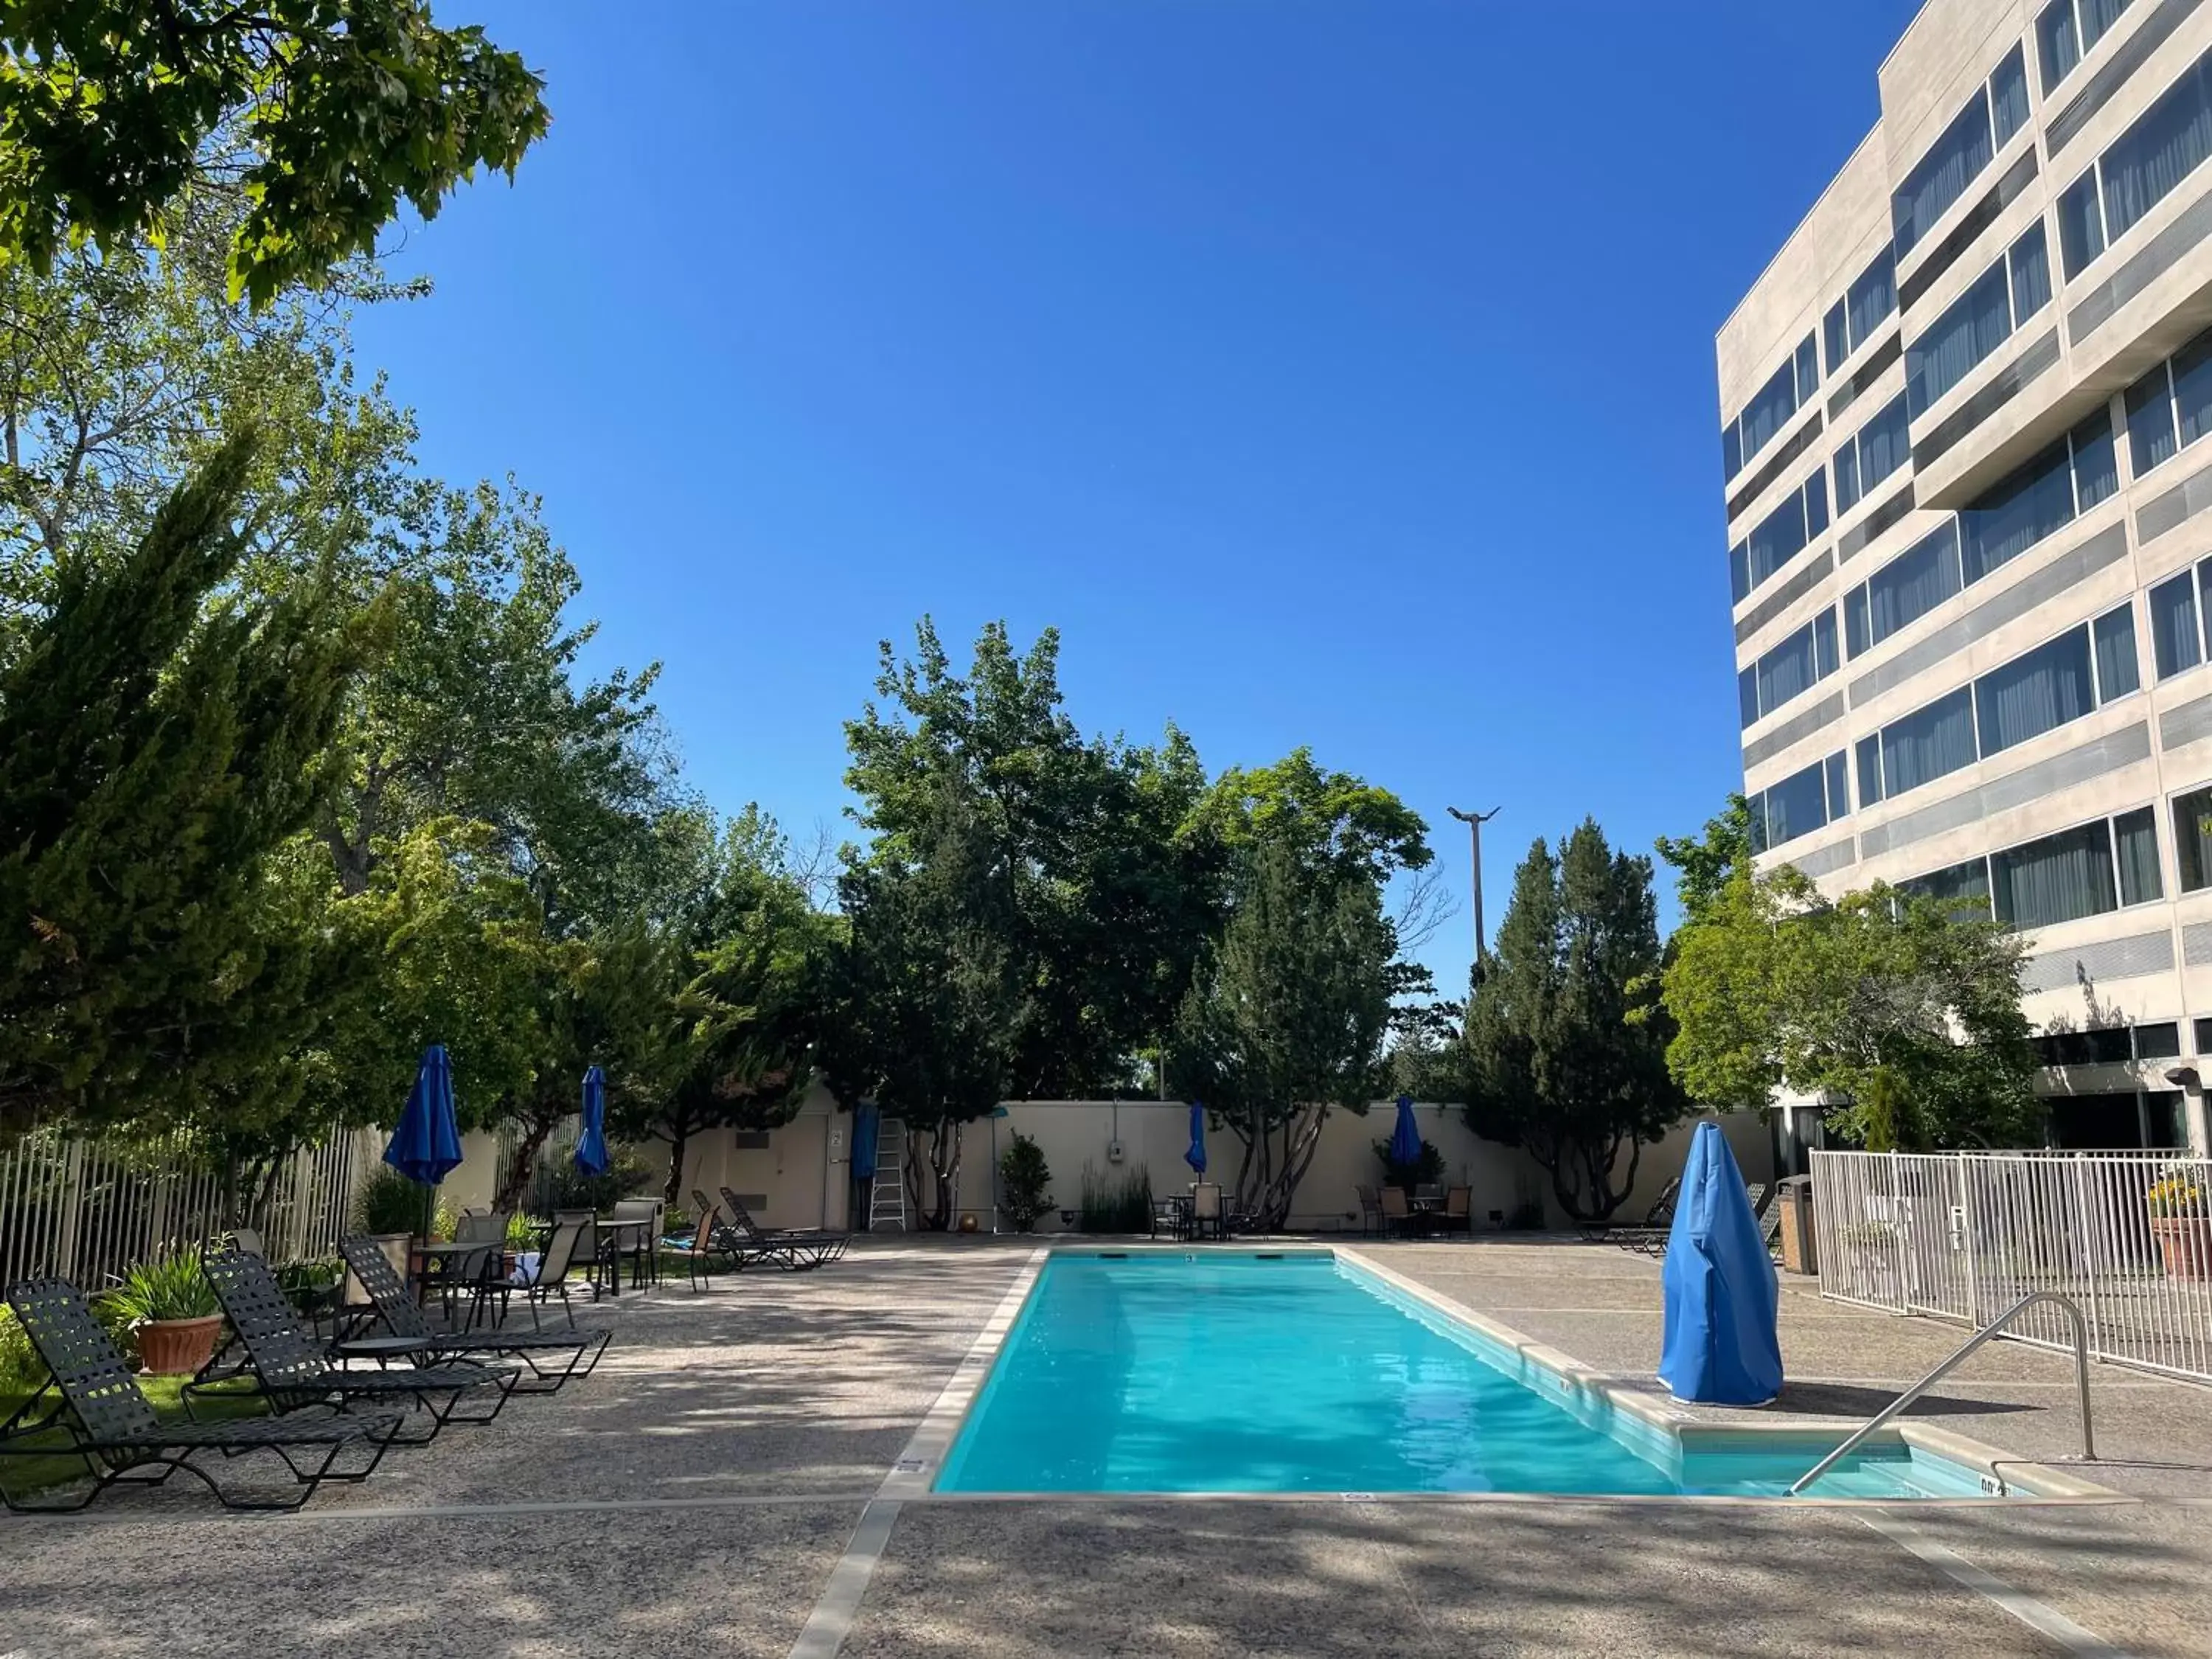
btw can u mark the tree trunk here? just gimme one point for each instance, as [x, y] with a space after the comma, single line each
[535, 1131]
[678, 1138]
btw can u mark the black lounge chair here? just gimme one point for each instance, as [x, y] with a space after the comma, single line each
[1660, 1217]
[402, 1319]
[1652, 1243]
[808, 1247]
[110, 1425]
[294, 1369]
[739, 1249]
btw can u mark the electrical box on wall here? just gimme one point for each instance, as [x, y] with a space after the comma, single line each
[1113, 1151]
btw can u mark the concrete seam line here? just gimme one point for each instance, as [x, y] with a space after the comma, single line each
[832, 1621]
[2034, 1614]
[827, 1626]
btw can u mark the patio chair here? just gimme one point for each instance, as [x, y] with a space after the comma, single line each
[1661, 1216]
[697, 1248]
[294, 1369]
[1172, 1212]
[1370, 1210]
[399, 1312]
[589, 1249]
[739, 1249]
[98, 1404]
[811, 1247]
[549, 1277]
[1397, 1213]
[643, 1253]
[1458, 1213]
[1207, 1212]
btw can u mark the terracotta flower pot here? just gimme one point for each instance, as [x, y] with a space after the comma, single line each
[177, 1348]
[2185, 1242]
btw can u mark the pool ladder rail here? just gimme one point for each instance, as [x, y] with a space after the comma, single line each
[1951, 1362]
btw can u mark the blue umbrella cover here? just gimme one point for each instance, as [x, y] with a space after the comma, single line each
[1405, 1137]
[592, 1145]
[1196, 1155]
[1721, 1345]
[865, 1122]
[427, 1142]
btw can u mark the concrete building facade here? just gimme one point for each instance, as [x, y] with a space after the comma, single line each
[1969, 507]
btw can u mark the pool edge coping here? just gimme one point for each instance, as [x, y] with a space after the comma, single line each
[1633, 1395]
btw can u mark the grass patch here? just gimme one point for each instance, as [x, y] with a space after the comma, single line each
[27, 1475]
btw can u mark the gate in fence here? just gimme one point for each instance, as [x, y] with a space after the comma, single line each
[1963, 1235]
[88, 1209]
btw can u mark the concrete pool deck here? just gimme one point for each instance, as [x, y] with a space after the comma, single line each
[699, 1496]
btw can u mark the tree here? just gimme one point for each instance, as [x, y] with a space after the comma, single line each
[1106, 895]
[158, 742]
[1286, 1016]
[1900, 1010]
[1565, 1046]
[743, 1022]
[326, 113]
[926, 1011]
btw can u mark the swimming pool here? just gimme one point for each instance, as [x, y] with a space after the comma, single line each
[1301, 1371]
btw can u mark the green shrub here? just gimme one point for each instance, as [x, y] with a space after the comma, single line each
[171, 1288]
[1115, 1203]
[388, 1202]
[21, 1371]
[558, 1184]
[521, 1232]
[1425, 1170]
[1025, 1183]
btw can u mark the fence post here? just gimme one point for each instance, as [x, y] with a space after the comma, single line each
[2082, 1253]
[72, 1200]
[1967, 1239]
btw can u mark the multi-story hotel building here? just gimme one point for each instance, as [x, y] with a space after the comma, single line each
[1967, 436]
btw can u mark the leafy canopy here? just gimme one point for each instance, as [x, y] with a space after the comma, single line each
[111, 110]
[1566, 1047]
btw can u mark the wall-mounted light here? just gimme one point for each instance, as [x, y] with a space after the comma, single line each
[2183, 1076]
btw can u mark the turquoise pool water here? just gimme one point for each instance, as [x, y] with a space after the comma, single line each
[1220, 1372]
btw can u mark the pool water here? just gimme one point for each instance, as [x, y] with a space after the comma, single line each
[1299, 1373]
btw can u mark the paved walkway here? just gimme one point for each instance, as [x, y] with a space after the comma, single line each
[700, 1495]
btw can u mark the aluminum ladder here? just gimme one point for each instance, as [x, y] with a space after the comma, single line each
[887, 1193]
[1958, 1354]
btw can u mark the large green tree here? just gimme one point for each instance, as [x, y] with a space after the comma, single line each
[1287, 1016]
[327, 115]
[1107, 896]
[1774, 986]
[1566, 1046]
[927, 1008]
[160, 739]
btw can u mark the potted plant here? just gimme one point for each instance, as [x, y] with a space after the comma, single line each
[1025, 1184]
[2181, 1221]
[170, 1308]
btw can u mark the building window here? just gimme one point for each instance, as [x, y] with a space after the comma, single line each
[2060, 680]
[1906, 589]
[1800, 804]
[2192, 839]
[751, 1140]
[2039, 499]
[1977, 322]
[2064, 31]
[2177, 616]
[1761, 420]
[2159, 1041]
[1964, 886]
[2204, 1036]
[1942, 177]
[2139, 169]
[1867, 304]
[1780, 537]
[1791, 668]
[2170, 408]
[1871, 454]
[2135, 846]
[2061, 877]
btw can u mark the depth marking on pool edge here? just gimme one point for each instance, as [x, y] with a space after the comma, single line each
[2046, 1620]
[831, 1620]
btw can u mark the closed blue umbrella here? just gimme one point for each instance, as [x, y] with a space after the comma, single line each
[1721, 1347]
[1406, 1138]
[1196, 1155]
[427, 1144]
[592, 1145]
[865, 1122]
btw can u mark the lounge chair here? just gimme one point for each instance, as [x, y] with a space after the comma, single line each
[739, 1249]
[99, 1406]
[1653, 1243]
[1661, 1216]
[404, 1321]
[809, 1247]
[294, 1369]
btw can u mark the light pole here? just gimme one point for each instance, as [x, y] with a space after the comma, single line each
[1474, 821]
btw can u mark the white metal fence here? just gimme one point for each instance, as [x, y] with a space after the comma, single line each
[1965, 1235]
[88, 1209]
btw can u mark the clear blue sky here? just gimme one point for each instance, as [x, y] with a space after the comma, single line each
[1336, 373]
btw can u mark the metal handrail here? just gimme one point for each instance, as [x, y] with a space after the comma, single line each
[2081, 1382]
